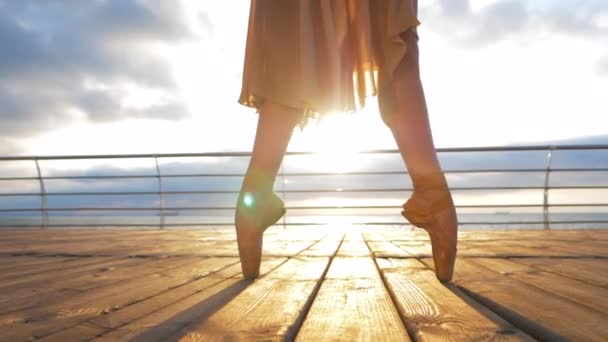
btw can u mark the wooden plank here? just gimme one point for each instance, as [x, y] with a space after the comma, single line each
[62, 289]
[190, 248]
[353, 245]
[56, 316]
[351, 268]
[538, 313]
[46, 272]
[285, 248]
[386, 249]
[581, 248]
[352, 305]
[326, 247]
[160, 324]
[473, 249]
[591, 270]
[140, 247]
[269, 308]
[509, 247]
[592, 296]
[62, 286]
[59, 241]
[23, 264]
[62, 235]
[381, 246]
[279, 233]
[57, 284]
[418, 249]
[433, 311]
[150, 242]
[129, 321]
[491, 248]
[71, 307]
[525, 248]
[9, 264]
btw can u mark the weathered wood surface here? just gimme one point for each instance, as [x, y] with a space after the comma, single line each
[433, 311]
[352, 304]
[367, 284]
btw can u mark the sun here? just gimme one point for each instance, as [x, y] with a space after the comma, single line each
[336, 141]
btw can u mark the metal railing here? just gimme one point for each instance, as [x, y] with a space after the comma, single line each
[162, 210]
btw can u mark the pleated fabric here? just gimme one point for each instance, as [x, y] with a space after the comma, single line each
[323, 56]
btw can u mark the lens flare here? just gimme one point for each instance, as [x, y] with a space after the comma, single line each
[248, 199]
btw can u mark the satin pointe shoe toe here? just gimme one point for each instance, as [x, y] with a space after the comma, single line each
[431, 207]
[254, 214]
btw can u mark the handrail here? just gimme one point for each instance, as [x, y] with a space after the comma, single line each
[301, 191]
[297, 153]
[306, 174]
[163, 210]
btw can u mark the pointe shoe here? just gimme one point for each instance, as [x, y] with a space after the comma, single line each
[255, 212]
[437, 216]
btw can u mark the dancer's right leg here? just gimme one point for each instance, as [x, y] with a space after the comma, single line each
[257, 206]
[431, 206]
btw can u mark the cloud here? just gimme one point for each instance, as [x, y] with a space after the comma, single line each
[509, 19]
[455, 7]
[64, 57]
[205, 21]
[8, 147]
[602, 66]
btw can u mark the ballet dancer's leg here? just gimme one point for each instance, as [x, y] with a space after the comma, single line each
[257, 206]
[404, 110]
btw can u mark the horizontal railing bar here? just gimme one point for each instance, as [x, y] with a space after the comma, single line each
[464, 206]
[169, 212]
[488, 222]
[302, 174]
[195, 192]
[290, 224]
[247, 154]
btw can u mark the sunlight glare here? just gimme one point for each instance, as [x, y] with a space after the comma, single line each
[337, 143]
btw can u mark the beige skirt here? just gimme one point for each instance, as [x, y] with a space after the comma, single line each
[322, 56]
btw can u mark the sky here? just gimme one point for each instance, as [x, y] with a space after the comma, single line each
[162, 76]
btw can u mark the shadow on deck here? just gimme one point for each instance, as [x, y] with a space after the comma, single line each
[317, 284]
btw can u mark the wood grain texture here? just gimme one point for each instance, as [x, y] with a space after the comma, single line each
[133, 320]
[325, 247]
[433, 311]
[270, 308]
[594, 271]
[62, 285]
[148, 284]
[43, 273]
[11, 266]
[386, 249]
[352, 305]
[160, 325]
[60, 313]
[537, 312]
[581, 292]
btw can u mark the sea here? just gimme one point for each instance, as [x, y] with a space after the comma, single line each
[467, 221]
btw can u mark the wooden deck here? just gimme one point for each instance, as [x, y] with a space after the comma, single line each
[318, 284]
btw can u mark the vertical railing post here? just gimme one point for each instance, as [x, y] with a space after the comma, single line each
[161, 204]
[283, 182]
[546, 189]
[44, 204]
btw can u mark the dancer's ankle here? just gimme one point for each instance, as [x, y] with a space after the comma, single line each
[257, 181]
